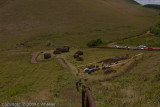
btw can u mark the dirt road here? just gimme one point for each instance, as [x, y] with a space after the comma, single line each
[34, 57]
[61, 61]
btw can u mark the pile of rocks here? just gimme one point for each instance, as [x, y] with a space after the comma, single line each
[64, 49]
[61, 50]
[77, 55]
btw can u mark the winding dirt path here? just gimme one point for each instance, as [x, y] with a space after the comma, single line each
[147, 33]
[34, 57]
[36, 54]
[62, 62]
[111, 45]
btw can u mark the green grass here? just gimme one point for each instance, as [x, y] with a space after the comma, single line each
[155, 29]
[137, 88]
[148, 40]
[20, 79]
[73, 23]
[69, 22]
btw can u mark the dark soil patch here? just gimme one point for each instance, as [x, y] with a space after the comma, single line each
[111, 60]
[128, 69]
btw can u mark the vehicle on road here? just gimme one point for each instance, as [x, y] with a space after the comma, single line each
[150, 48]
[116, 46]
[126, 47]
[142, 46]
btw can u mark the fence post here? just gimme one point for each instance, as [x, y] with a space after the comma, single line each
[77, 86]
[87, 102]
[83, 98]
[90, 98]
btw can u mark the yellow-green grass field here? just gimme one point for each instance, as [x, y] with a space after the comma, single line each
[71, 22]
[74, 23]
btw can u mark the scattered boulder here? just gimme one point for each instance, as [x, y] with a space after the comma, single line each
[75, 55]
[57, 52]
[109, 71]
[47, 55]
[79, 52]
[67, 48]
[64, 49]
[59, 49]
[79, 59]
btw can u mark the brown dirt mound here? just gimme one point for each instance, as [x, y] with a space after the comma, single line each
[75, 55]
[57, 52]
[79, 52]
[47, 55]
[79, 59]
[64, 49]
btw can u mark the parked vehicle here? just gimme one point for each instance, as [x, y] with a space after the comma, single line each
[126, 47]
[142, 46]
[150, 48]
[116, 46]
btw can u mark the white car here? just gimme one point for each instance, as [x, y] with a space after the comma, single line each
[142, 46]
[126, 47]
[116, 46]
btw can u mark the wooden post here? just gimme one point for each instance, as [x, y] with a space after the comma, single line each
[83, 98]
[87, 102]
[90, 98]
[77, 86]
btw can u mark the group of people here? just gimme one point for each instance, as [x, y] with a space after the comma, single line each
[90, 70]
[105, 66]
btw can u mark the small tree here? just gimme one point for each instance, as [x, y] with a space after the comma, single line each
[155, 29]
[94, 42]
[48, 43]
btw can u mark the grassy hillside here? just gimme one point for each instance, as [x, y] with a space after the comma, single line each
[73, 23]
[148, 40]
[71, 19]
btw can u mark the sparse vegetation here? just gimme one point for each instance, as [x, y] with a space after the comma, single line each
[94, 42]
[48, 43]
[155, 29]
[148, 40]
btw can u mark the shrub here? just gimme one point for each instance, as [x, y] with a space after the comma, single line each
[155, 29]
[48, 43]
[94, 42]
